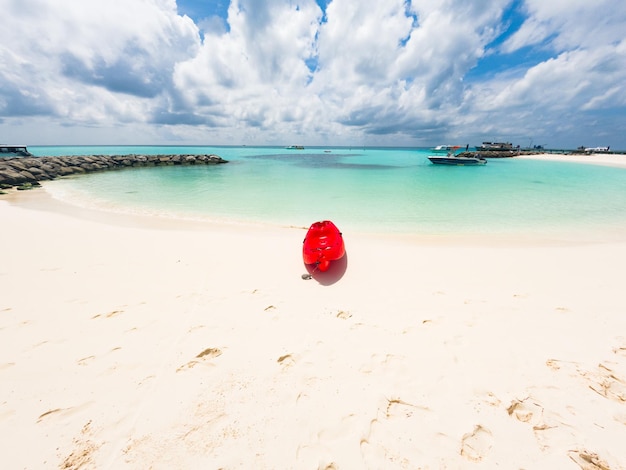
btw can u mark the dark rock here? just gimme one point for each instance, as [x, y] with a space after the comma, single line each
[65, 171]
[17, 165]
[50, 169]
[38, 173]
[88, 166]
[10, 177]
[28, 176]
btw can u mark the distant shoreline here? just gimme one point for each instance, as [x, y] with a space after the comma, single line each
[605, 159]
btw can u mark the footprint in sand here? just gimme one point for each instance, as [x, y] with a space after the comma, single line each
[588, 460]
[395, 431]
[531, 412]
[84, 449]
[89, 359]
[63, 412]
[388, 363]
[526, 411]
[286, 361]
[85, 360]
[208, 353]
[50, 412]
[343, 315]
[621, 350]
[397, 408]
[605, 382]
[476, 444]
[107, 315]
[602, 379]
[553, 364]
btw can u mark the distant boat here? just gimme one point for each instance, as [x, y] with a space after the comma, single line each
[459, 160]
[7, 150]
[494, 146]
[597, 149]
[295, 147]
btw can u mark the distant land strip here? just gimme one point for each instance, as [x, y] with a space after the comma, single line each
[26, 172]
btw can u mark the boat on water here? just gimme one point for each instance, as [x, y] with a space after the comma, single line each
[7, 150]
[458, 159]
[494, 146]
[597, 149]
[295, 147]
[322, 244]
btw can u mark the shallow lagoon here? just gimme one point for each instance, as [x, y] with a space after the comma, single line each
[371, 190]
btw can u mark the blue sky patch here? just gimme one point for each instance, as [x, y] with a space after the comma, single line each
[200, 9]
[517, 62]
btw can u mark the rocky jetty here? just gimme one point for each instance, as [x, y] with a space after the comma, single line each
[500, 153]
[24, 172]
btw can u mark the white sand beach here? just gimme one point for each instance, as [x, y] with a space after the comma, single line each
[608, 159]
[130, 342]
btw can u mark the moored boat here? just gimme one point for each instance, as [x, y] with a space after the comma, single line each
[457, 159]
[322, 244]
[494, 146]
[597, 149]
[7, 150]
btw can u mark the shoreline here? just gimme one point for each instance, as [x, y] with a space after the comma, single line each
[39, 199]
[615, 159]
[49, 200]
[133, 342]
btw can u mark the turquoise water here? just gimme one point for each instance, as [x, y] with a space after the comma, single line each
[372, 190]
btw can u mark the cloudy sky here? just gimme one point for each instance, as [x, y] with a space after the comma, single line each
[313, 72]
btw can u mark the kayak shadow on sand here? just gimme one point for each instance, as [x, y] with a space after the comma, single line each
[334, 273]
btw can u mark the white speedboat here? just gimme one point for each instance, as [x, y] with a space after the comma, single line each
[7, 150]
[461, 159]
[597, 149]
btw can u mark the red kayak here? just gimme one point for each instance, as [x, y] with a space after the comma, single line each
[323, 243]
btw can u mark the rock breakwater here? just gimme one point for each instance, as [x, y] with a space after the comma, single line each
[500, 153]
[23, 172]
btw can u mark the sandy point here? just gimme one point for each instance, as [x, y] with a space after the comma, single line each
[605, 159]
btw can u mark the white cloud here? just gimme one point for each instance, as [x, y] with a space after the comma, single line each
[570, 24]
[368, 72]
[92, 61]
